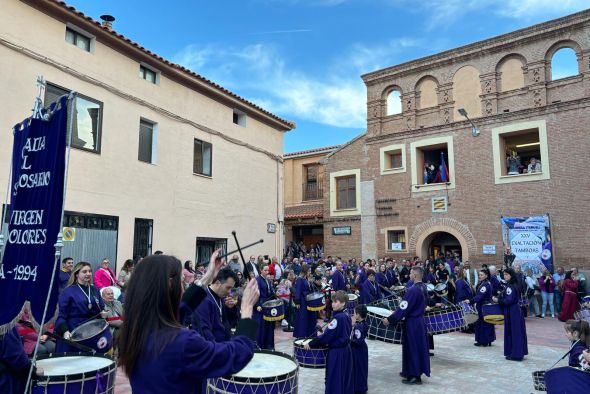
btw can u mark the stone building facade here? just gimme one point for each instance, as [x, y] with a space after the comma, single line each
[520, 108]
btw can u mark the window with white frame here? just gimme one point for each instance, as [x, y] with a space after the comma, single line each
[396, 239]
[393, 159]
[520, 152]
[202, 158]
[87, 130]
[345, 193]
[78, 39]
[147, 141]
[433, 164]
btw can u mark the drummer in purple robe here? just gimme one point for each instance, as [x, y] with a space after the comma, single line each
[360, 352]
[337, 337]
[485, 333]
[14, 363]
[157, 353]
[338, 278]
[391, 274]
[266, 329]
[305, 320]
[370, 289]
[212, 317]
[78, 303]
[415, 359]
[515, 339]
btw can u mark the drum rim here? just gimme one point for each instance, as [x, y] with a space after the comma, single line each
[324, 350]
[105, 326]
[270, 379]
[80, 376]
[318, 295]
[323, 347]
[275, 303]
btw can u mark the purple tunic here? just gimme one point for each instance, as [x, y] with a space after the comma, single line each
[73, 311]
[576, 355]
[338, 281]
[515, 340]
[485, 333]
[415, 358]
[495, 285]
[391, 276]
[362, 277]
[360, 356]
[211, 314]
[463, 291]
[305, 321]
[369, 292]
[186, 361]
[339, 359]
[13, 356]
[266, 329]
[64, 277]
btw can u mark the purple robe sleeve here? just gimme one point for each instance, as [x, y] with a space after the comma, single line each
[209, 359]
[205, 312]
[483, 293]
[409, 302]
[510, 297]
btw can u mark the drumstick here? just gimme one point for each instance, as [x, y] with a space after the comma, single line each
[77, 345]
[321, 329]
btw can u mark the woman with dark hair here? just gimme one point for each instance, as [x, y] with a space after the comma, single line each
[124, 276]
[570, 298]
[156, 353]
[485, 333]
[381, 278]
[305, 320]
[515, 340]
[79, 302]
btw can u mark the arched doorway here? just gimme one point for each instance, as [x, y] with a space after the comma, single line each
[441, 243]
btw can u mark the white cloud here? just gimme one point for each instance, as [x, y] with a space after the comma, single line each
[259, 72]
[441, 12]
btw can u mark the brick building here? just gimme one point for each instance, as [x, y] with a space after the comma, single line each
[421, 181]
[304, 195]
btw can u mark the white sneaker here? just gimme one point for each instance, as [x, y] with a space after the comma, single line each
[284, 323]
[553, 316]
[543, 316]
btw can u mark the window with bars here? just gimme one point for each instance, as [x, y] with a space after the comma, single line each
[202, 157]
[346, 192]
[86, 130]
[78, 39]
[146, 141]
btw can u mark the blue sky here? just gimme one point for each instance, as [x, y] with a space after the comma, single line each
[302, 59]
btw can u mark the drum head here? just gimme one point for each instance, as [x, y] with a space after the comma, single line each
[267, 365]
[379, 311]
[89, 329]
[69, 365]
[314, 296]
[352, 297]
[429, 287]
[272, 303]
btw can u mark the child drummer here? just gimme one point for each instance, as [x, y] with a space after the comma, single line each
[360, 352]
[336, 337]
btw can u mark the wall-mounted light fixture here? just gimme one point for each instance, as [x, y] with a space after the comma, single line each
[474, 130]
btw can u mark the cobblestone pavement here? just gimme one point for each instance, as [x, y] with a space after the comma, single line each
[457, 367]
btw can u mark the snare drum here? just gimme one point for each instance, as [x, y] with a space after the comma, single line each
[268, 372]
[441, 289]
[315, 301]
[492, 313]
[539, 380]
[353, 301]
[273, 310]
[70, 373]
[95, 334]
[443, 320]
[377, 330]
[582, 314]
[399, 291]
[312, 358]
[469, 313]
[390, 302]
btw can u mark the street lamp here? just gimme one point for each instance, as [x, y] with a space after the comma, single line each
[474, 130]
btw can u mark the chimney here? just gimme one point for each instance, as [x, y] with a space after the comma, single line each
[107, 21]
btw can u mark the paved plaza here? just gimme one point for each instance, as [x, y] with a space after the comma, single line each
[457, 367]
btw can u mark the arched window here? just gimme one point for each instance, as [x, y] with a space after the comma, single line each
[511, 75]
[466, 91]
[427, 89]
[564, 64]
[394, 103]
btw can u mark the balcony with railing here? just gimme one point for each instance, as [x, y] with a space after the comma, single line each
[313, 191]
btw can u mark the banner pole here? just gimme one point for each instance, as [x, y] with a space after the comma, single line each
[59, 244]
